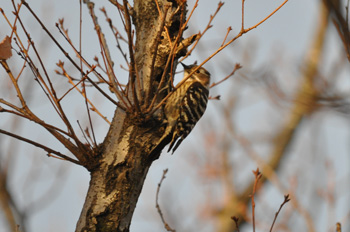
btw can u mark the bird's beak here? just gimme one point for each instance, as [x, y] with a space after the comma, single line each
[185, 66]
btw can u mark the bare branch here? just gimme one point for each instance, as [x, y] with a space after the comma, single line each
[341, 23]
[117, 34]
[236, 219]
[242, 32]
[47, 149]
[338, 229]
[257, 178]
[105, 52]
[155, 50]
[286, 199]
[82, 92]
[65, 53]
[133, 73]
[166, 225]
[237, 66]
[200, 35]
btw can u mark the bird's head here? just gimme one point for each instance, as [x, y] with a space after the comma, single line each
[201, 75]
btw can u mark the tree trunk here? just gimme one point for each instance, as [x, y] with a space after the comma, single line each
[123, 158]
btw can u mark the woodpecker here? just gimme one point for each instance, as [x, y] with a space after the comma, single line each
[186, 105]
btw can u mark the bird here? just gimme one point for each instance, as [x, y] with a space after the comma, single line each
[186, 105]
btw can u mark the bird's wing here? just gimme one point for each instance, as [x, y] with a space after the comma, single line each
[192, 107]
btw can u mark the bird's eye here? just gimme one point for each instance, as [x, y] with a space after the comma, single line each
[197, 71]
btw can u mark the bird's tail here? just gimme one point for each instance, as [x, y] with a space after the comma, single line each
[162, 142]
[175, 141]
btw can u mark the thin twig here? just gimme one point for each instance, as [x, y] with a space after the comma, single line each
[133, 74]
[166, 225]
[242, 27]
[338, 228]
[118, 94]
[87, 102]
[82, 92]
[15, 84]
[286, 199]
[242, 32]
[177, 42]
[47, 149]
[161, 16]
[52, 95]
[116, 33]
[266, 18]
[67, 55]
[79, 151]
[64, 33]
[107, 57]
[257, 178]
[236, 219]
[200, 35]
[190, 15]
[21, 113]
[237, 66]
[342, 24]
[155, 49]
[228, 32]
[84, 135]
[82, 77]
[150, 109]
[49, 90]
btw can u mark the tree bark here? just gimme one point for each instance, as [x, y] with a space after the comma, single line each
[123, 158]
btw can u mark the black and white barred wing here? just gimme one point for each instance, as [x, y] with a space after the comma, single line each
[192, 107]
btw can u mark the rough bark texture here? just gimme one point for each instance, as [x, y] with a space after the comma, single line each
[124, 160]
